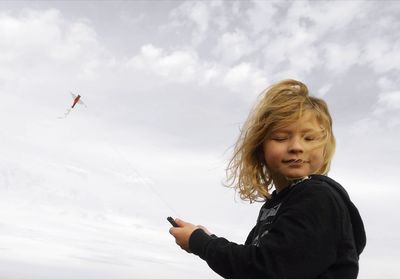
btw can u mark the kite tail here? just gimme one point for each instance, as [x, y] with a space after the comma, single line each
[65, 114]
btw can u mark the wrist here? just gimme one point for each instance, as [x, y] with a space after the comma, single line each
[198, 241]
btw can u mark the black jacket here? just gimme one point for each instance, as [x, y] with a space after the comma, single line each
[310, 230]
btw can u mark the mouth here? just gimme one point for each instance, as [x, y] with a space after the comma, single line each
[295, 161]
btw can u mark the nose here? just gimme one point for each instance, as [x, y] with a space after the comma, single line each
[295, 145]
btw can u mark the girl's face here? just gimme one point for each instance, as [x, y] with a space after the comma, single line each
[294, 151]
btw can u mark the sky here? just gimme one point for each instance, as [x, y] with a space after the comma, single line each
[167, 86]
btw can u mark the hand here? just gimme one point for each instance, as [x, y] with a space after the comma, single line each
[183, 232]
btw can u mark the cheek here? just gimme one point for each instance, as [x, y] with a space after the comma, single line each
[272, 154]
[318, 158]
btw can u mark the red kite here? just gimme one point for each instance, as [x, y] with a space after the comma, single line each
[77, 100]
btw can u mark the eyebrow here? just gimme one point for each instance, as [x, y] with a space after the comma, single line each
[302, 131]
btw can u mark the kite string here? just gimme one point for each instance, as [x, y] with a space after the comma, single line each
[133, 170]
[145, 181]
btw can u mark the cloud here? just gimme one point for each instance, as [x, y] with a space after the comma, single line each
[386, 83]
[340, 57]
[172, 106]
[383, 119]
[295, 37]
[301, 36]
[282, 39]
[232, 46]
[193, 13]
[35, 42]
[324, 90]
[29, 29]
[386, 110]
[240, 53]
[179, 65]
[198, 13]
[290, 46]
[391, 100]
[260, 16]
[327, 17]
[382, 54]
[245, 78]
[388, 102]
[184, 66]
[365, 126]
[300, 31]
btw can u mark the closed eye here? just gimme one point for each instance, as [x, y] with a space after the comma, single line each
[313, 137]
[279, 138]
[310, 138]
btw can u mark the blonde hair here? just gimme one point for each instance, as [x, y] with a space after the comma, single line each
[279, 105]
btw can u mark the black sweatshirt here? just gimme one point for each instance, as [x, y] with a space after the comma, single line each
[310, 230]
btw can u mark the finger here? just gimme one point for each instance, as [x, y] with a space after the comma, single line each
[173, 231]
[180, 222]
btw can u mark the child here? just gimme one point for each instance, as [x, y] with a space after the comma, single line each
[308, 227]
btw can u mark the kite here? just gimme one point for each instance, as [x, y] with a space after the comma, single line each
[77, 100]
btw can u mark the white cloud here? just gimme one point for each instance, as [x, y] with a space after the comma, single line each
[340, 57]
[384, 118]
[291, 46]
[198, 13]
[388, 101]
[179, 66]
[184, 66]
[195, 13]
[245, 78]
[34, 42]
[304, 36]
[365, 126]
[327, 17]
[151, 52]
[324, 90]
[129, 19]
[260, 16]
[238, 74]
[382, 54]
[212, 74]
[69, 166]
[294, 37]
[78, 39]
[295, 52]
[285, 38]
[386, 83]
[232, 46]
[29, 29]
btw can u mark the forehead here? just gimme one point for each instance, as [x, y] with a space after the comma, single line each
[307, 122]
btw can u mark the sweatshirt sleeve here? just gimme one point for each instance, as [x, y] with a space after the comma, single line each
[301, 243]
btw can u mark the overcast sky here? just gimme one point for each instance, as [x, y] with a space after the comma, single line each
[167, 85]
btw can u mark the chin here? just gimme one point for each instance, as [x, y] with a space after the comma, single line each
[295, 175]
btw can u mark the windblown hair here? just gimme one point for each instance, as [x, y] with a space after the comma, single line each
[279, 106]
